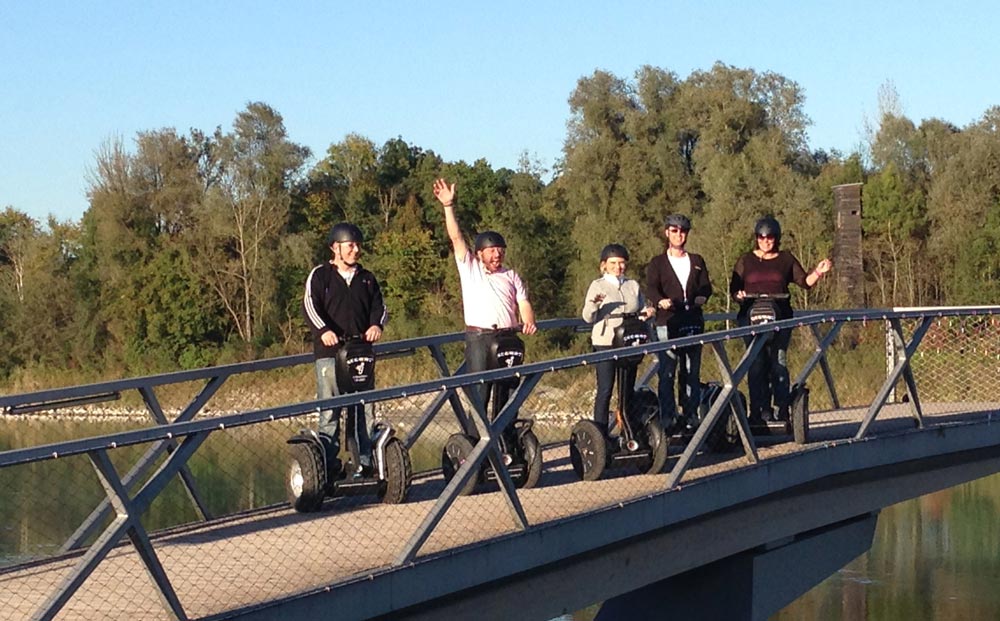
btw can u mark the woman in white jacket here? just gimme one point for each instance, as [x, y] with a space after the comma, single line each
[608, 297]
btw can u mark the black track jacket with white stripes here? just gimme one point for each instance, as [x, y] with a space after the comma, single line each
[330, 304]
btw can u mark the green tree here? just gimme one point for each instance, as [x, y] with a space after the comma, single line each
[43, 324]
[964, 214]
[722, 146]
[243, 217]
[142, 209]
[894, 226]
[17, 230]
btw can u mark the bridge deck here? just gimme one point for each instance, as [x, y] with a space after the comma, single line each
[276, 553]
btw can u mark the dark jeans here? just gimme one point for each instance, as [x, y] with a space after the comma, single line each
[477, 358]
[606, 374]
[767, 377]
[685, 363]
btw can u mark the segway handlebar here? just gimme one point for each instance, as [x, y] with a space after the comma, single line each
[766, 296]
[635, 315]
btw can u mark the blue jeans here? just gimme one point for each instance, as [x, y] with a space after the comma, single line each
[688, 359]
[329, 420]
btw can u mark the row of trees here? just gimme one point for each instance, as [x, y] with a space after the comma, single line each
[195, 246]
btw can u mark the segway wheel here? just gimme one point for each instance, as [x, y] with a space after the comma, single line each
[658, 446]
[725, 435]
[306, 479]
[531, 449]
[398, 473]
[456, 451]
[588, 450]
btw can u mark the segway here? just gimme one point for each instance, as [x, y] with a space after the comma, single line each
[640, 441]
[519, 446]
[763, 307]
[764, 310]
[313, 475]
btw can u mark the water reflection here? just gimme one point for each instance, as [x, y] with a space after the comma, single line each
[935, 558]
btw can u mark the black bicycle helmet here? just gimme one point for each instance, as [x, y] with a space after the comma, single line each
[614, 250]
[490, 239]
[679, 220]
[344, 232]
[768, 226]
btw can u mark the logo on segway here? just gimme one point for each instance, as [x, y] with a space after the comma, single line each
[510, 358]
[635, 339]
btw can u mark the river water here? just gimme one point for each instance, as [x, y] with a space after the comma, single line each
[934, 558]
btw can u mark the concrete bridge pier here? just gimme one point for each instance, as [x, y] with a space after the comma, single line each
[751, 585]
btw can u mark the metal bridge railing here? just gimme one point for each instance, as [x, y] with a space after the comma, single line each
[71, 522]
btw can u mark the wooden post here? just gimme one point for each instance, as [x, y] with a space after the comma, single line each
[847, 243]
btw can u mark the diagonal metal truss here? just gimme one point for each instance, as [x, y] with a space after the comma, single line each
[904, 352]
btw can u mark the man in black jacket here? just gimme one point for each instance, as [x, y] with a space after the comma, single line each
[342, 300]
[678, 286]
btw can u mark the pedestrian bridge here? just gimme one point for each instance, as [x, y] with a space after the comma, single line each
[169, 502]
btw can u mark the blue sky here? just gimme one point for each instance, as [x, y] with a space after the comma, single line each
[466, 79]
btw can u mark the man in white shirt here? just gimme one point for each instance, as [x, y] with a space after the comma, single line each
[493, 297]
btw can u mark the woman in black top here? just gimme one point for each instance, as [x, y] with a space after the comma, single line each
[769, 270]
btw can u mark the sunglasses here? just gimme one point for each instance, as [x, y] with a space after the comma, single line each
[771, 237]
[674, 229]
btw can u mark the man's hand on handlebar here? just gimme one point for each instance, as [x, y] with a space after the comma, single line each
[373, 334]
[529, 327]
[329, 338]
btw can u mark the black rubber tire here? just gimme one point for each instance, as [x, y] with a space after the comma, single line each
[305, 481]
[725, 435]
[531, 449]
[398, 473]
[588, 450]
[659, 445]
[456, 450]
[643, 404]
